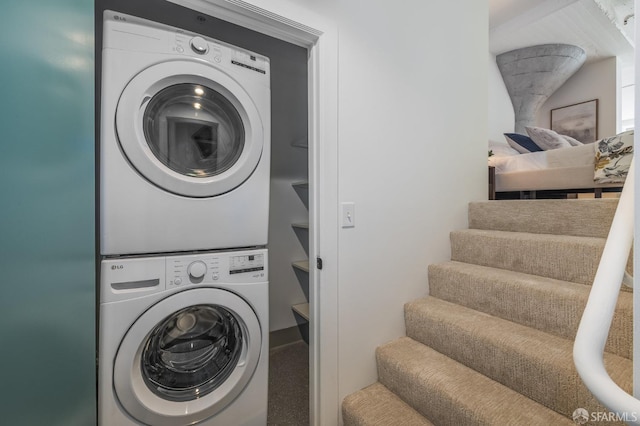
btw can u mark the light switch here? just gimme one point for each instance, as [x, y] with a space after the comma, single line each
[348, 215]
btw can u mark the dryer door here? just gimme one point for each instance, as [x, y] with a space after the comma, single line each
[189, 128]
[187, 366]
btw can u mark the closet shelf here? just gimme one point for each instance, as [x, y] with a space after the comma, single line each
[301, 225]
[303, 265]
[302, 309]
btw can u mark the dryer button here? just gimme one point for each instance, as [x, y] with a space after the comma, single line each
[199, 45]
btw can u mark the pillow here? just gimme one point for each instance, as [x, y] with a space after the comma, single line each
[572, 141]
[500, 149]
[613, 158]
[547, 139]
[521, 143]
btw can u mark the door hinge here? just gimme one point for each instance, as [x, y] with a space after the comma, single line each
[319, 262]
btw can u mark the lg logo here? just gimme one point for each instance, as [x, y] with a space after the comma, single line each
[116, 267]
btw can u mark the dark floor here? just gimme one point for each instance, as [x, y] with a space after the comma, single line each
[289, 385]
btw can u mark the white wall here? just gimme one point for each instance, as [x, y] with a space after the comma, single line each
[413, 109]
[592, 81]
[501, 116]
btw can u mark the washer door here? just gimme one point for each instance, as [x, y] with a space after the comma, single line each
[189, 128]
[185, 367]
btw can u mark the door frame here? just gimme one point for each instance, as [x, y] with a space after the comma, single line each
[292, 23]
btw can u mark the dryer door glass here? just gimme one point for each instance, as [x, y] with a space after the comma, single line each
[194, 130]
[191, 352]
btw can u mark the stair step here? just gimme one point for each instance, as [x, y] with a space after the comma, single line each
[533, 363]
[448, 393]
[549, 305]
[567, 258]
[377, 405]
[585, 218]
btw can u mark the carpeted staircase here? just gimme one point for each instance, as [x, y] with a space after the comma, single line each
[492, 343]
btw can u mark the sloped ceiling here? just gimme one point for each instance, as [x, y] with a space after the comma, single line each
[595, 25]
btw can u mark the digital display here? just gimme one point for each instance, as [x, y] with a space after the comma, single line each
[246, 263]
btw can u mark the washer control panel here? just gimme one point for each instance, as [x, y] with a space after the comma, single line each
[211, 268]
[132, 277]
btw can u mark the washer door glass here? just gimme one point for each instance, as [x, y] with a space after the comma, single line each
[194, 130]
[183, 361]
[191, 352]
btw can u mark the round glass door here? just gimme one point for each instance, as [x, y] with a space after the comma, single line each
[191, 352]
[189, 129]
[193, 130]
[183, 361]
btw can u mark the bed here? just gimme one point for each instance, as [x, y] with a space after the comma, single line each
[555, 172]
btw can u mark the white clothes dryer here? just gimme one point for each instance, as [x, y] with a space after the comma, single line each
[184, 340]
[184, 141]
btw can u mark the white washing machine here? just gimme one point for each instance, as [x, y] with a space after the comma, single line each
[184, 340]
[184, 141]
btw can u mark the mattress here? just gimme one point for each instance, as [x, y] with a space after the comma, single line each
[558, 169]
[577, 177]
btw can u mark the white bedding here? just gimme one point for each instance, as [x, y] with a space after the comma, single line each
[511, 163]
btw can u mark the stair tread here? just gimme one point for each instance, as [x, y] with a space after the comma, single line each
[547, 304]
[537, 364]
[567, 217]
[563, 257]
[376, 405]
[447, 392]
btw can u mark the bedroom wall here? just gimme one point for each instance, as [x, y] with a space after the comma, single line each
[597, 80]
[501, 116]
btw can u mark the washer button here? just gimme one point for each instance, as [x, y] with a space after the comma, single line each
[178, 281]
[199, 45]
[215, 276]
[197, 270]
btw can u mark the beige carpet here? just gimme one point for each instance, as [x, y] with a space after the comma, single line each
[492, 343]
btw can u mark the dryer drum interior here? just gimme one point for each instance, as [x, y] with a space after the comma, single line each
[194, 130]
[191, 352]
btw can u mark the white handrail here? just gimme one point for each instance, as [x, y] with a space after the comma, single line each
[588, 349]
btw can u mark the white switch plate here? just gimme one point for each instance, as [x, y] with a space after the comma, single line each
[348, 215]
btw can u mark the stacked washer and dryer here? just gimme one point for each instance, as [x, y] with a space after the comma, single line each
[184, 202]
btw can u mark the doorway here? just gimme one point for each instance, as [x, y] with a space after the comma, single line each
[320, 60]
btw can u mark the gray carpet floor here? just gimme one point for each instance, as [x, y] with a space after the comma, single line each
[289, 385]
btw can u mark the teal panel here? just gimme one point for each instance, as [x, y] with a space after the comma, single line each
[47, 213]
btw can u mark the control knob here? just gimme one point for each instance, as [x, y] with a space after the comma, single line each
[197, 270]
[199, 45]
